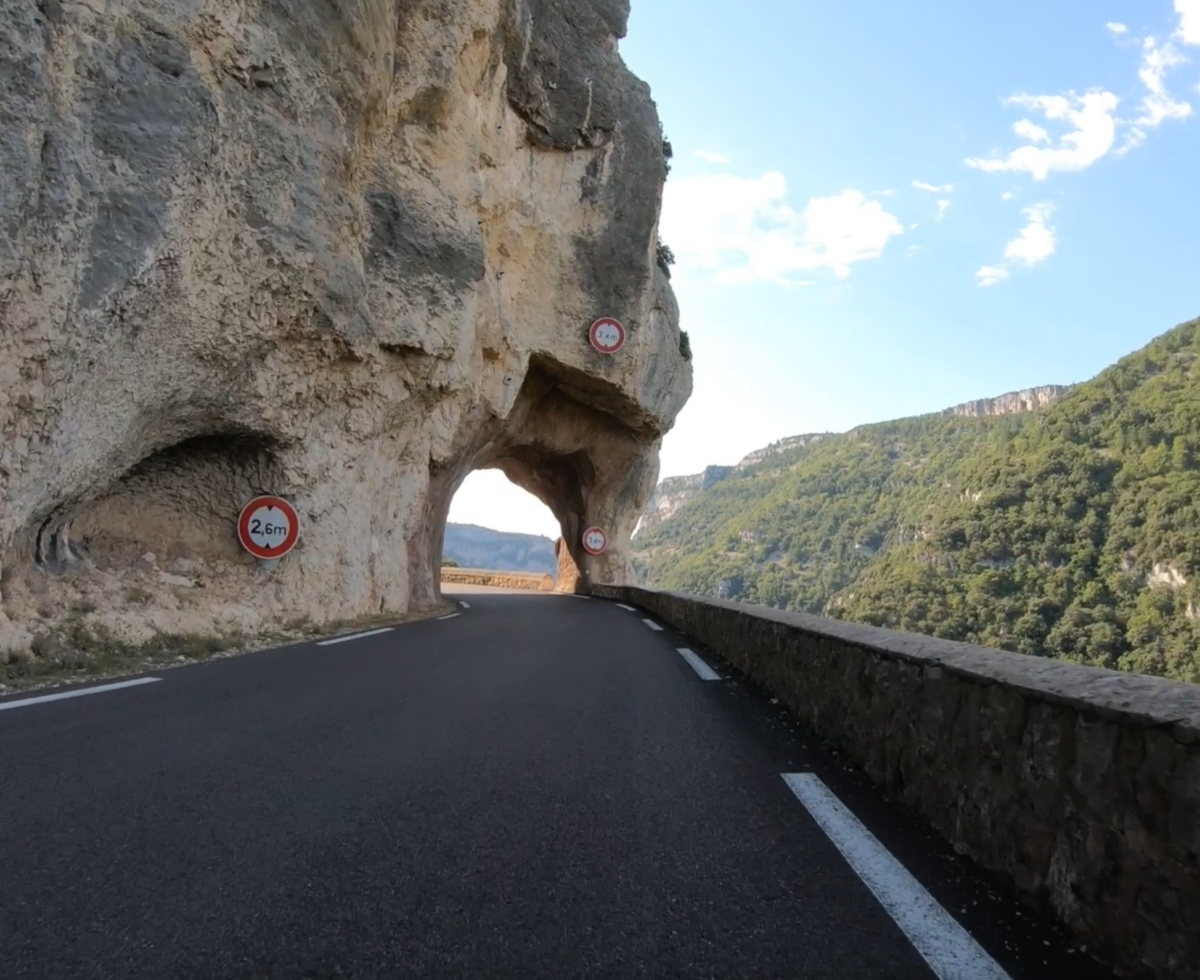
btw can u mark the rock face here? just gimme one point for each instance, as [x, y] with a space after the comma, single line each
[675, 491]
[566, 578]
[1013, 403]
[344, 251]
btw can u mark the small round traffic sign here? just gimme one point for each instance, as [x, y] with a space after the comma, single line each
[268, 527]
[595, 541]
[607, 335]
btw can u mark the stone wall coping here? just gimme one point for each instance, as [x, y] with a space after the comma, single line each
[1137, 699]
[459, 570]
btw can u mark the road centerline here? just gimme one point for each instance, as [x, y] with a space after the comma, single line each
[699, 666]
[951, 952]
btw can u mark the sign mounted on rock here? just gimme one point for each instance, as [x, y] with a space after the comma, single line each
[595, 541]
[607, 335]
[268, 527]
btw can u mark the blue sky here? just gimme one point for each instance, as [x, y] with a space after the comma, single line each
[883, 209]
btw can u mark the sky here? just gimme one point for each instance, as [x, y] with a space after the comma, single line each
[880, 210]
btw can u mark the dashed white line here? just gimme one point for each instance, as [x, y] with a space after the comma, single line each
[465, 605]
[43, 698]
[652, 624]
[623, 606]
[944, 944]
[450, 616]
[354, 636]
[699, 666]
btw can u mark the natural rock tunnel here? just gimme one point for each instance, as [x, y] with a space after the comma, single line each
[588, 466]
[343, 251]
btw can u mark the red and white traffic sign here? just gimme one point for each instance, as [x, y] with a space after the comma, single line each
[268, 527]
[595, 541]
[607, 335]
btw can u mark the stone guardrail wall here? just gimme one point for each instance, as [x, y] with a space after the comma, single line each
[1081, 785]
[498, 580]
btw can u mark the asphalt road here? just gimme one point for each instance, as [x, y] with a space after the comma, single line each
[540, 787]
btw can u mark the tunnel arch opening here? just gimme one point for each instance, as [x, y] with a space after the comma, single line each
[497, 526]
[572, 443]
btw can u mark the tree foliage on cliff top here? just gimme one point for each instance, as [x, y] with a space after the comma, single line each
[1071, 532]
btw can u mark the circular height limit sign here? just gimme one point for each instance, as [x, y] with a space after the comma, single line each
[268, 527]
[607, 335]
[595, 541]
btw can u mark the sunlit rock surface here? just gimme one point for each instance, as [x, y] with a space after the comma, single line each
[344, 252]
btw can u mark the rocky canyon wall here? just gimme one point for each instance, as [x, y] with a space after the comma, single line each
[342, 251]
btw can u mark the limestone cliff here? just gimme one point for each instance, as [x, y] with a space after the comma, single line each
[344, 251]
[1012, 403]
[675, 491]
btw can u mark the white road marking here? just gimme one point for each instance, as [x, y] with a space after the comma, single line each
[699, 666]
[623, 606]
[450, 616]
[652, 624]
[42, 699]
[354, 636]
[465, 605]
[944, 944]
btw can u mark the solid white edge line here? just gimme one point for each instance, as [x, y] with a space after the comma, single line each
[945, 945]
[652, 624]
[699, 666]
[450, 616]
[41, 699]
[623, 606]
[354, 636]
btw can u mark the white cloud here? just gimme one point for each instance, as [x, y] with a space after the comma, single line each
[1189, 21]
[943, 207]
[742, 230]
[709, 157]
[1157, 106]
[1028, 131]
[1093, 114]
[1007, 196]
[989, 275]
[933, 188]
[1034, 243]
[1094, 132]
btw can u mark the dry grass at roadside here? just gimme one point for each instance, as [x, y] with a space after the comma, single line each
[87, 651]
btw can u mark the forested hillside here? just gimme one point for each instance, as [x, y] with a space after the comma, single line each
[1072, 531]
[472, 546]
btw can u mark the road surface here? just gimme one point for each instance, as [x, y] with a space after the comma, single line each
[542, 786]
